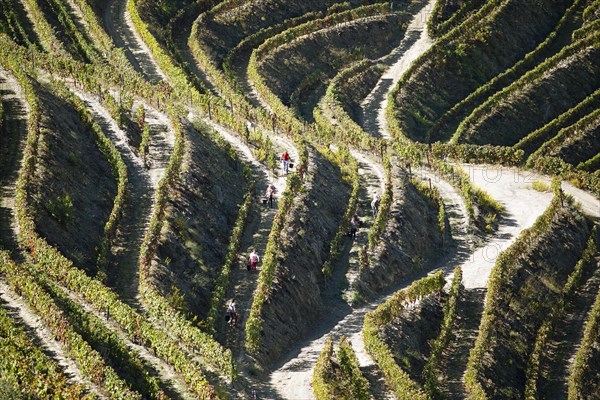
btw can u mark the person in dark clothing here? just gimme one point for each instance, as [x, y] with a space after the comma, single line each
[354, 225]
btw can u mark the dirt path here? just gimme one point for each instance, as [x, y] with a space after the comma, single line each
[512, 188]
[243, 282]
[122, 271]
[523, 204]
[162, 141]
[372, 180]
[258, 227]
[256, 235]
[119, 26]
[416, 41]
[589, 203]
[41, 336]
[12, 143]
[292, 379]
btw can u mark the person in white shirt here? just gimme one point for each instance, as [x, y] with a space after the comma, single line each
[254, 259]
[375, 205]
[232, 312]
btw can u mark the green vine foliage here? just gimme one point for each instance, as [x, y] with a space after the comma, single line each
[253, 326]
[565, 135]
[285, 113]
[118, 168]
[378, 227]
[257, 38]
[338, 376]
[535, 139]
[504, 263]
[322, 374]
[479, 96]
[472, 23]
[556, 315]
[531, 76]
[591, 335]
[349, 167]
[88, 360]
[84, 48]
[222, 283]
[581, 366]
[128, 363]
[397, 379]
[14, 27]
[38, 375]
[439, 344]
[56, 267]
[331, 108]
[431, 193]
[159, 307]
[44, 30]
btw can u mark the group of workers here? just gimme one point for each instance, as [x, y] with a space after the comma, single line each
[253, 259]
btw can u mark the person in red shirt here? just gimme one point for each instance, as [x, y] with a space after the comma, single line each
[285, 157]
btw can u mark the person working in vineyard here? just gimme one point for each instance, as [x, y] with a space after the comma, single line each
[375, 205]
[285, 158]
[354, 225]
[232, 312]
[254, 259]
[269, 195]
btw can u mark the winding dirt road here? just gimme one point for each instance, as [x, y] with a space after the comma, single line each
[523, 205]
[418, 41]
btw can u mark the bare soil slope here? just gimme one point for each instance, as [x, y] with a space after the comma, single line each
[74, 189]
[528, 288]
[201, 212]
[296, 299]
[494, 42]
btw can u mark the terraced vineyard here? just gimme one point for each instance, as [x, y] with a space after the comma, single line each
[138, 140]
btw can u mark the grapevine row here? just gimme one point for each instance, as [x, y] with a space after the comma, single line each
[396, 378]
[267, 274]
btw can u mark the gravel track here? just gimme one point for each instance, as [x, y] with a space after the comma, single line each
[372, 180]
